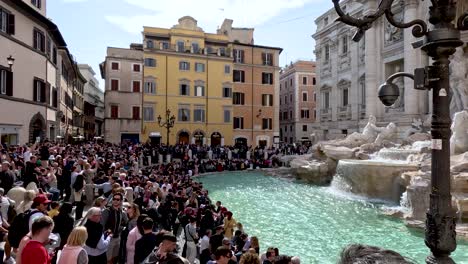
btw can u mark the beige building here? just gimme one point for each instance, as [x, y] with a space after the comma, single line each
[255, 88]
[297, 102]
[122, 71]
[29, 89]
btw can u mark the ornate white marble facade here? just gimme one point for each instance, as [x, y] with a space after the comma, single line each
[350, 73]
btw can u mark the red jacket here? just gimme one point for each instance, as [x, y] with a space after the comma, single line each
[35, 253]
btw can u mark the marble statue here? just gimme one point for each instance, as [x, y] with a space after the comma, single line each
[416, 127]
[459, 139]
[370, 134]
[459, 81]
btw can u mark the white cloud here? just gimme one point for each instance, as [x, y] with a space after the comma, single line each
[208, 13]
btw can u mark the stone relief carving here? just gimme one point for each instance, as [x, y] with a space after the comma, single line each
[459, 81]
[362, 51]
[393, 34]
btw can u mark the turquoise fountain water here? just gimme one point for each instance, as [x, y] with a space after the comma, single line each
[312, 222]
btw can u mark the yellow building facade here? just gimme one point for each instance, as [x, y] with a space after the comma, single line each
[189, 73]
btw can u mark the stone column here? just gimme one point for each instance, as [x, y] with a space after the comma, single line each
[160, 159]
[370, 64]
[168, 158]
[413, 98]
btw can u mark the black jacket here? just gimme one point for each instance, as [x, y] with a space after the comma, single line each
[144, 246]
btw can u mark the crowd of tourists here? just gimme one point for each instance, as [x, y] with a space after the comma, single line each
[143, 205]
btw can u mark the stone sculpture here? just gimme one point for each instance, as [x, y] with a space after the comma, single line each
[459, 81]
[370, 134]
[459, 139]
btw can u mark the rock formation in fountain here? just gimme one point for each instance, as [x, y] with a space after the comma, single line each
[459, 139]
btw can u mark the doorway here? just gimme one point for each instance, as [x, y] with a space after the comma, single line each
[184, 138]
[215, 139]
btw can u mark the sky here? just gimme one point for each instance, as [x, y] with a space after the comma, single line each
[90, 26]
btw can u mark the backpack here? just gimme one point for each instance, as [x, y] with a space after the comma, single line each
[21, 226]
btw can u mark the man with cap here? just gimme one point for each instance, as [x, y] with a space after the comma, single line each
[38, 208]
[164, 254]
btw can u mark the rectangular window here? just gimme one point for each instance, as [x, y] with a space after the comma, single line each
[39, 40]
[136, 113]
[54, 97]
[184, 89]
[165, 45]
[267, 100]
[3, 81]
[327, 53]
[150, 87]
[48, 46]
[227, 69]
[267, 78]
[180, 46]
[267, 123]
[37, 3]
[199, 67]
[136, 86]
[148, 113]
[227, 116]
[149, 62]
[326, 100]
[7, 22]
[305, 113]
[267, 59]
[199, 115]
[238, 56]
[115, 66]
[222, 51]
[136, 67]
[54, 55]
[239, 76]
[195, 48]
[345, 97]
[184, 114]
[39, 91]
[238, 98]
[304, 96]
[314, 81]
[114, 111]
[238, 123]
[304, 80]
[285, 99]
[304, 128]
[184, 66]
[114, 84]
[227, 92]
[199, 90]
[344, 47]
[149, 44]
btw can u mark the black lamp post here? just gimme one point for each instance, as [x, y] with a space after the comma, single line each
[439, 43]
[10, 61]
[168, 123]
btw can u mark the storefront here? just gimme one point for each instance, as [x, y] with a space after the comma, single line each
[9, 134]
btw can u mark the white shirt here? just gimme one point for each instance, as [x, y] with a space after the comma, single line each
[27, 156]
[204, 243]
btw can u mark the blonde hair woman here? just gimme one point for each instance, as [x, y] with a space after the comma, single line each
[249, 258]
[255, 244]
[73, 252]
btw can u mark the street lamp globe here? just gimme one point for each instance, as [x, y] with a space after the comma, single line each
[388, 93]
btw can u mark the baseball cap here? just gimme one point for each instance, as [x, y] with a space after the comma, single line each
[41, 199]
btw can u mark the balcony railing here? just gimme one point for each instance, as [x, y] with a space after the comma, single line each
[325, 114]
[344, 112]
[221, 52]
